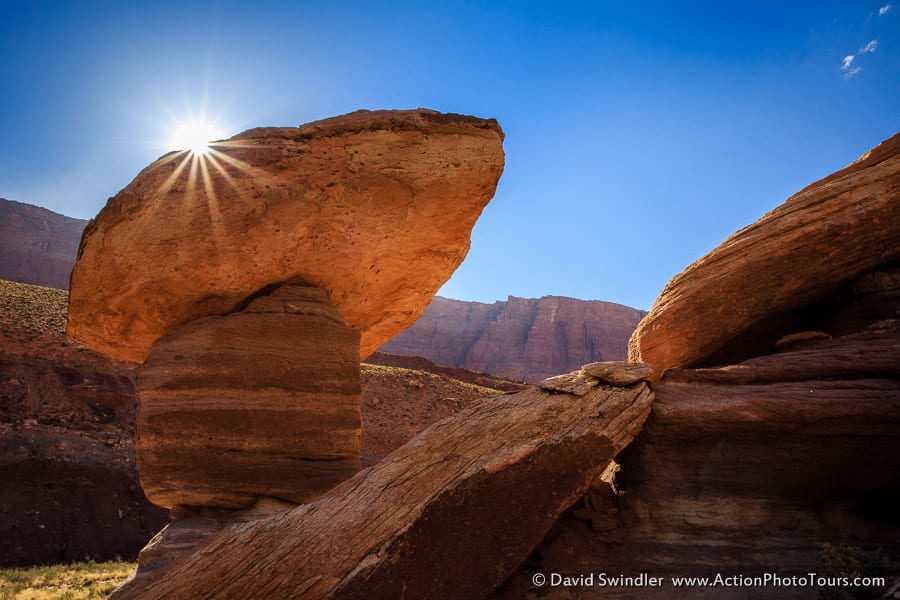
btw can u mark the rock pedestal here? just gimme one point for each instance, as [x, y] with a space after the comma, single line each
[264, 402]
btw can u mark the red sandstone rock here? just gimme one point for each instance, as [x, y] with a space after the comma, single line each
[37, 246]
[373, 207]
[448, 515]
[262, 402]
[747, 469]
[739, 299]
[523, 339]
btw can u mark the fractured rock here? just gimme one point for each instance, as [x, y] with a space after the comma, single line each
[571, 383]
[375, 208]
[261, 402]
[500, 470]
[739, 299]
[620, 373]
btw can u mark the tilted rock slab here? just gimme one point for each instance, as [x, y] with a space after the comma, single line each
[264, 402]
[747, 466]
[734, 302]
[448, 515]
[375, 208]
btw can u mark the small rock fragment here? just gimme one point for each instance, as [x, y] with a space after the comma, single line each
[618, 372]
[571, 383]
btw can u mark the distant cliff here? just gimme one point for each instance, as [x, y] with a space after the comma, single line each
[521, 338]
[37, 246]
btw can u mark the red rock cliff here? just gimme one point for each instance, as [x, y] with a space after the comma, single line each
[522, 338]
[37, 246]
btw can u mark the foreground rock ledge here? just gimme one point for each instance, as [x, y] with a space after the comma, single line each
[346, 204]
[449, 515]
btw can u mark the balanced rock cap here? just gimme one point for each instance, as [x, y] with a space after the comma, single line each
[376, 208]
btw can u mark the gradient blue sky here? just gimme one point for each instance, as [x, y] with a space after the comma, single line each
[638, 134]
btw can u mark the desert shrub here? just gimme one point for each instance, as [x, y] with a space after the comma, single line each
[845, 560]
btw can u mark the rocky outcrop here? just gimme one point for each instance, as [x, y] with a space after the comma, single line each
[464, 488]
[758, 285]
[791, 442]
[37, 246]
[262, 402]
[346, 204]
[523, 339]
[744, 470]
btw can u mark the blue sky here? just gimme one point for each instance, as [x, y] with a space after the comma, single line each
[638, 134]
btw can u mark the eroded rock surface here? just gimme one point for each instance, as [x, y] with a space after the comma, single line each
[448, 515]
[262, 402]
[375, 208]
[747, 469]
[738, 300]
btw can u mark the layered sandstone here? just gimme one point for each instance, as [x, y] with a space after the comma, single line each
[738, 300]
[747, 469]
[261, 402]
[791, 442]
[520, 338]
[346, 204]
[37, 246]
[448, 515]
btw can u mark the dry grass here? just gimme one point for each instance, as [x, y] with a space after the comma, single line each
[39, 310]
[77, 581]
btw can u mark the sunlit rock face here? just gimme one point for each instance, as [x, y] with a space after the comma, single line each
[253, 276]
[375, 208]
[738, 300]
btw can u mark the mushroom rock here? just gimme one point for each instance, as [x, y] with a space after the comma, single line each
[375, 208]
[757, 286]
[250, 280]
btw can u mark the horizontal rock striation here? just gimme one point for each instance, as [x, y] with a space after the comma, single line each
[262, 402]
[463, 489]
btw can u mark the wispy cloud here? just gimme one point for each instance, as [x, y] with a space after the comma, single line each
[869, 48]
[884, 9]
[847, 65]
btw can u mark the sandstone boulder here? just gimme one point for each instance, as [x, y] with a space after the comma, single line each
[375, 208]
[757, 286]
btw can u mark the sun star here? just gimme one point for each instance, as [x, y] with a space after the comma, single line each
[193, 136]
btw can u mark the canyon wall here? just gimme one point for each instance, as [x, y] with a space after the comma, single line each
[37, 246]
[520, 338]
